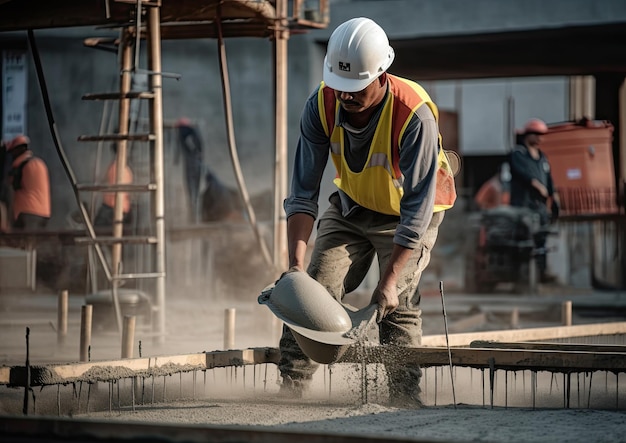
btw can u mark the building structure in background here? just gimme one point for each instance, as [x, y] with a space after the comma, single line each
[557, 61]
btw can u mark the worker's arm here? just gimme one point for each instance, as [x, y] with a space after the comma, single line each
[419, 150]
[301, 207]
[386, 293]
[418, 163]
[299, 228]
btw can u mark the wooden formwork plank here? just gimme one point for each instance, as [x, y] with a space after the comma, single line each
[510, 359]
[530, 334]
[134, 367]
[220, 359]
[548, 346]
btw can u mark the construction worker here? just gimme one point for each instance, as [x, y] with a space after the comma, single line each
[31, 206]
[495, 191]
[394, 184]
[106, 212]
[191, 147]
[5, 194]
[532, 186]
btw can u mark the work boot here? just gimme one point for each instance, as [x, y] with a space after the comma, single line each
[291, 388]
[404, 387]
[404, 400]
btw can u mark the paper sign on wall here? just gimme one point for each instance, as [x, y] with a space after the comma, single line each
[13, 93]
[574, 174]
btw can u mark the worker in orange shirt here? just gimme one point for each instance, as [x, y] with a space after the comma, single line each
[495, 191]
[106, 212]
[31, 206]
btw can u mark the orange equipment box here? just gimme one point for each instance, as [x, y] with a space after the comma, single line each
[581, 159]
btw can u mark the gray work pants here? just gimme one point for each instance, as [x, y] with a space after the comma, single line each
[343, 252]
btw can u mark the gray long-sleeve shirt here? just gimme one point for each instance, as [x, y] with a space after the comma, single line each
[418, 163]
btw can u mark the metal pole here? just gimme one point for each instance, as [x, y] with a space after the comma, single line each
[128, 336]
[281, 35]
[62, 308]
[566, 313]
[86, 314]
[445, 322]
[122, 151]
[229, 329]
[27, 382]
[156, 82]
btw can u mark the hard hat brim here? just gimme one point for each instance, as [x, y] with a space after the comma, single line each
[345, 84]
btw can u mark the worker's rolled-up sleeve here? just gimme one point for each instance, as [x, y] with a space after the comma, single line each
[309, 164]
[419, 150]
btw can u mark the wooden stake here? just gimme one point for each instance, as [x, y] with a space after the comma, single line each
[62, 309]
[128, 336]
[86, 313]
[566, 313]
[229, 328]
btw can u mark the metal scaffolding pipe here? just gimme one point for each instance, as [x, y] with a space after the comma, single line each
[281, 36]
[156, 110]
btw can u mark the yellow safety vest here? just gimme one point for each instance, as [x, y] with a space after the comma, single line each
[379, 185]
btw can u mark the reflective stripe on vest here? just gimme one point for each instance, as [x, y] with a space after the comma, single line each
[379, 185]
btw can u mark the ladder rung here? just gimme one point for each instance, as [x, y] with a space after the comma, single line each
[116, 137]
[137, 276]
[115, 240]
[117, 188]
[105, 43]
[118, 96]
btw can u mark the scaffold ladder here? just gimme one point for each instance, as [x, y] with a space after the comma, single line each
[144, 21]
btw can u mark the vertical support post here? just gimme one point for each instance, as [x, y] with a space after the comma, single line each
[566, 313]
[86, 314]
[515, 318]
[229, 329]
[622, 144]
[128, 336]
[122, 145]
[281, 36]
[62, 308]
[156, 128]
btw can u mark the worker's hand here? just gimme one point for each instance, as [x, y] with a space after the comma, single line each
[290, 270]
[555, 211]
[387, 298]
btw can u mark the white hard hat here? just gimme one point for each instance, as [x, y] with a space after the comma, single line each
[358, 53]
[323, 327]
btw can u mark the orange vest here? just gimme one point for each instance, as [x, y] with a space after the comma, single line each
[108, 198]
[33, 195]
[379, 185]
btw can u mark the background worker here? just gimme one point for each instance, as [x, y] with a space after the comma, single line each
[191, 147]
[532, 186]
[495, 191]
[393, 180]
[106, 211]
[31, 206]
[5, 194]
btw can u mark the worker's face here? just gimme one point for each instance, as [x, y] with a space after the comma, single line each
[533, 140]
[360, 101]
